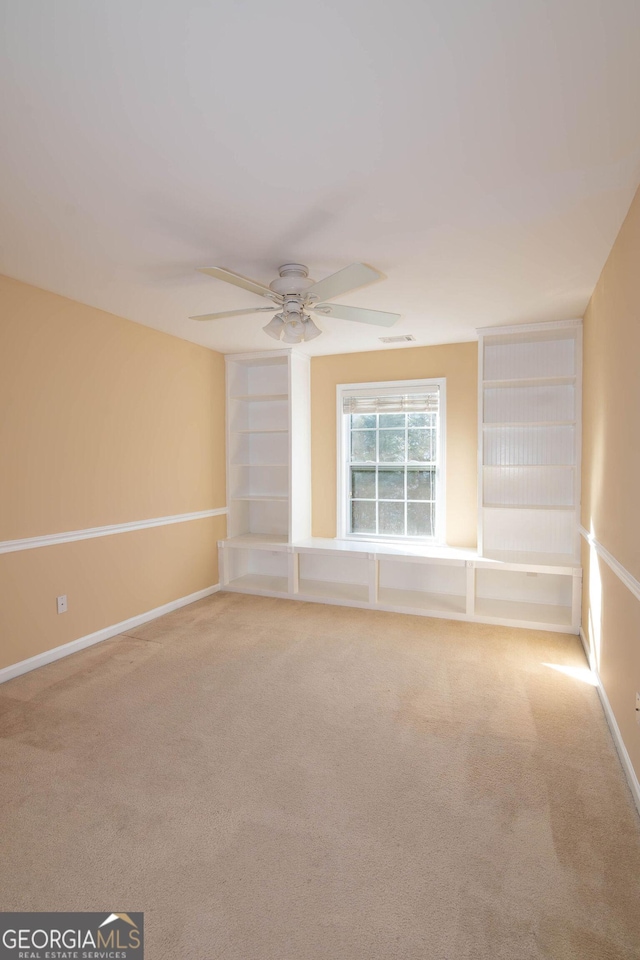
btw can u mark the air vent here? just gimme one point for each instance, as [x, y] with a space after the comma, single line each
[405, 338]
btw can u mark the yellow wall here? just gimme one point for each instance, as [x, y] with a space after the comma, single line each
[102, 421]
[457, 362]
[611, 474]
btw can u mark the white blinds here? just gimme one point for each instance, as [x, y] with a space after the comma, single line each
[425, 402]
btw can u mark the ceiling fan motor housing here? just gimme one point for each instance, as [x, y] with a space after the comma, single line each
[293, 279]
[293, 306]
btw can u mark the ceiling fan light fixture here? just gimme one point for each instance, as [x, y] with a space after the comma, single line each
[311, 331]
[275, 327]
[293, 331]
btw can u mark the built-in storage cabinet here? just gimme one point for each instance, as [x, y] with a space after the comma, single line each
[445, 582]
[267, 429]
[529, 442]
[526, 571]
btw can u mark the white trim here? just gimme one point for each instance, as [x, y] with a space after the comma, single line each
[263, 356]
[621, 572]
[577, 472]
[616, 736]
[529, 327]
[57, 653]
[480, 451]
[70, 536]
[390, 388]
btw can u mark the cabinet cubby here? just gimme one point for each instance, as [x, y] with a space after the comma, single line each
[257, 571]
[529, 445]
[432, 587]
[262, 480]
[256, 376]
[529, 485]
[259, 416]
[537, 403]
[337, 578]
[533, 352]
[259, 449]
[525, 595]
[538, 530]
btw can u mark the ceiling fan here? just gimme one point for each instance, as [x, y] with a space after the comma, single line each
[295, 296]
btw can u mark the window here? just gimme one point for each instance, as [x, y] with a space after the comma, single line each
[391, 460]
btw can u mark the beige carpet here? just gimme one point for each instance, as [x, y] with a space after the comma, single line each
[271, 780]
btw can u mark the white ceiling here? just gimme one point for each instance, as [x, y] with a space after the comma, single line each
[481, 153]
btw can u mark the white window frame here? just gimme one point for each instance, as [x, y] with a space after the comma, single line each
[388, 388]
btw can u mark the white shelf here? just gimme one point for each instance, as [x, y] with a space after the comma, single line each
[529, 506]
[262, 360]
[257, 430]
[531, 613]
[419, 600]
[259, 583]
[329, 590]
[260, 397]
[491, 424]
[257, 540]
[260, 496]
[530, 382]
[563, 562]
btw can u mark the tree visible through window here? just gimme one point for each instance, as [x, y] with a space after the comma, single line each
[392, 447]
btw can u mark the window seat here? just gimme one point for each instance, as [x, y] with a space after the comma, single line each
[528, 590]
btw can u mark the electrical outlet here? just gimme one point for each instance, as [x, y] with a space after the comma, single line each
[638, 708]
[62, 603]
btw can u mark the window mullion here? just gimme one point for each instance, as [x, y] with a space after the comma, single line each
[406, 470]
[377, 469]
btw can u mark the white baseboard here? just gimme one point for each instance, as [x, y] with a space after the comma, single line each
[625, 759]
[24, 666]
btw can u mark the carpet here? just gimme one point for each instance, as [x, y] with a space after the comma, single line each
[274, 780]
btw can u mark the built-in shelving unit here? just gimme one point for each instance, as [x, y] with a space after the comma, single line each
[268, 440]
[526, 570]
[437, 582]
[529, 442]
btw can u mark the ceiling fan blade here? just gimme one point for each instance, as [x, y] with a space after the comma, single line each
[235, 313]
[357, 275]
[229, 277]
[378, 317]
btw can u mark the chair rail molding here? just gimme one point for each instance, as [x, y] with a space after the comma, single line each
[89, 533]
[621, 572]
